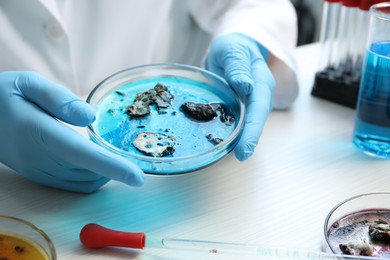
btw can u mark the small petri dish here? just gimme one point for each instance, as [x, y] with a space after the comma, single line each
[22, 240]
[360, 226]
[128, 112]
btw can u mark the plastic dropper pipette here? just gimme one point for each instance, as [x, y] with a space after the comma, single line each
[96, 236]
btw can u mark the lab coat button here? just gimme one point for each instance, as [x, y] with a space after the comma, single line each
[54, 30]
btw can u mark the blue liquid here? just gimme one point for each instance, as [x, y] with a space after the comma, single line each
[372, 123]
[119, 129]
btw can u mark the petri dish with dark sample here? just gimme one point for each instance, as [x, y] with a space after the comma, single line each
[169, 119]
[360, 226]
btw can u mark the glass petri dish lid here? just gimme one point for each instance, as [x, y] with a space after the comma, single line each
[167, 118]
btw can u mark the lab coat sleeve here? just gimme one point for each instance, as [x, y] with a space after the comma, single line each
[273, 23]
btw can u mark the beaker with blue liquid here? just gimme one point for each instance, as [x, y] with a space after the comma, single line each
[372, 121]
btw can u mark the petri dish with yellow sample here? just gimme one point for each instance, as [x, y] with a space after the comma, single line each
[21, 240]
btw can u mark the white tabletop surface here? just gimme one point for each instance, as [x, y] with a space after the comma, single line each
[304, 165]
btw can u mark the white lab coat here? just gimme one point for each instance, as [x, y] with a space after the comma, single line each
[78, 43]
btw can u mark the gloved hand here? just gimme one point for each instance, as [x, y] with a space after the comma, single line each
[38, 146]
[242, 62]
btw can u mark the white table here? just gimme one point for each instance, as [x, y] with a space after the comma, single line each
[305, 164]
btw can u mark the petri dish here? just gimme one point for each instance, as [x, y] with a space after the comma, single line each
[20, 239]
[196, 143]
[360, 226]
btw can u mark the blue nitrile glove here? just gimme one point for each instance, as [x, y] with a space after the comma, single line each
[38, 146]
[242, 62]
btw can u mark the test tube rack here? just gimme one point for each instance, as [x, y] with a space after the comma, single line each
[343, 34]
[338, 89]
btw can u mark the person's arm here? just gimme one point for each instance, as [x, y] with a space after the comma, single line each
[36, 144]
[251, 49]
[272, 23]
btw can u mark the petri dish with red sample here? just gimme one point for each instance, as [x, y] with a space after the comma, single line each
[360, 226]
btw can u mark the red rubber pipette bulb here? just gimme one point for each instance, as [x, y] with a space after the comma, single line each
[96, 236]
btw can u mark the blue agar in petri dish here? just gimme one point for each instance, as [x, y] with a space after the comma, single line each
[116, 130]
[372, 123]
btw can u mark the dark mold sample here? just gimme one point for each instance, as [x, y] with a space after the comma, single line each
[379, 232]
[203, 112]
[363, 249]
[159, 96]
[207, 112]
[213, 139]
[155, 144]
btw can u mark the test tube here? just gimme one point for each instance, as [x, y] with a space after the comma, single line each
[339, 82]
[328, 32]
[363, 20]
[346, 36]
